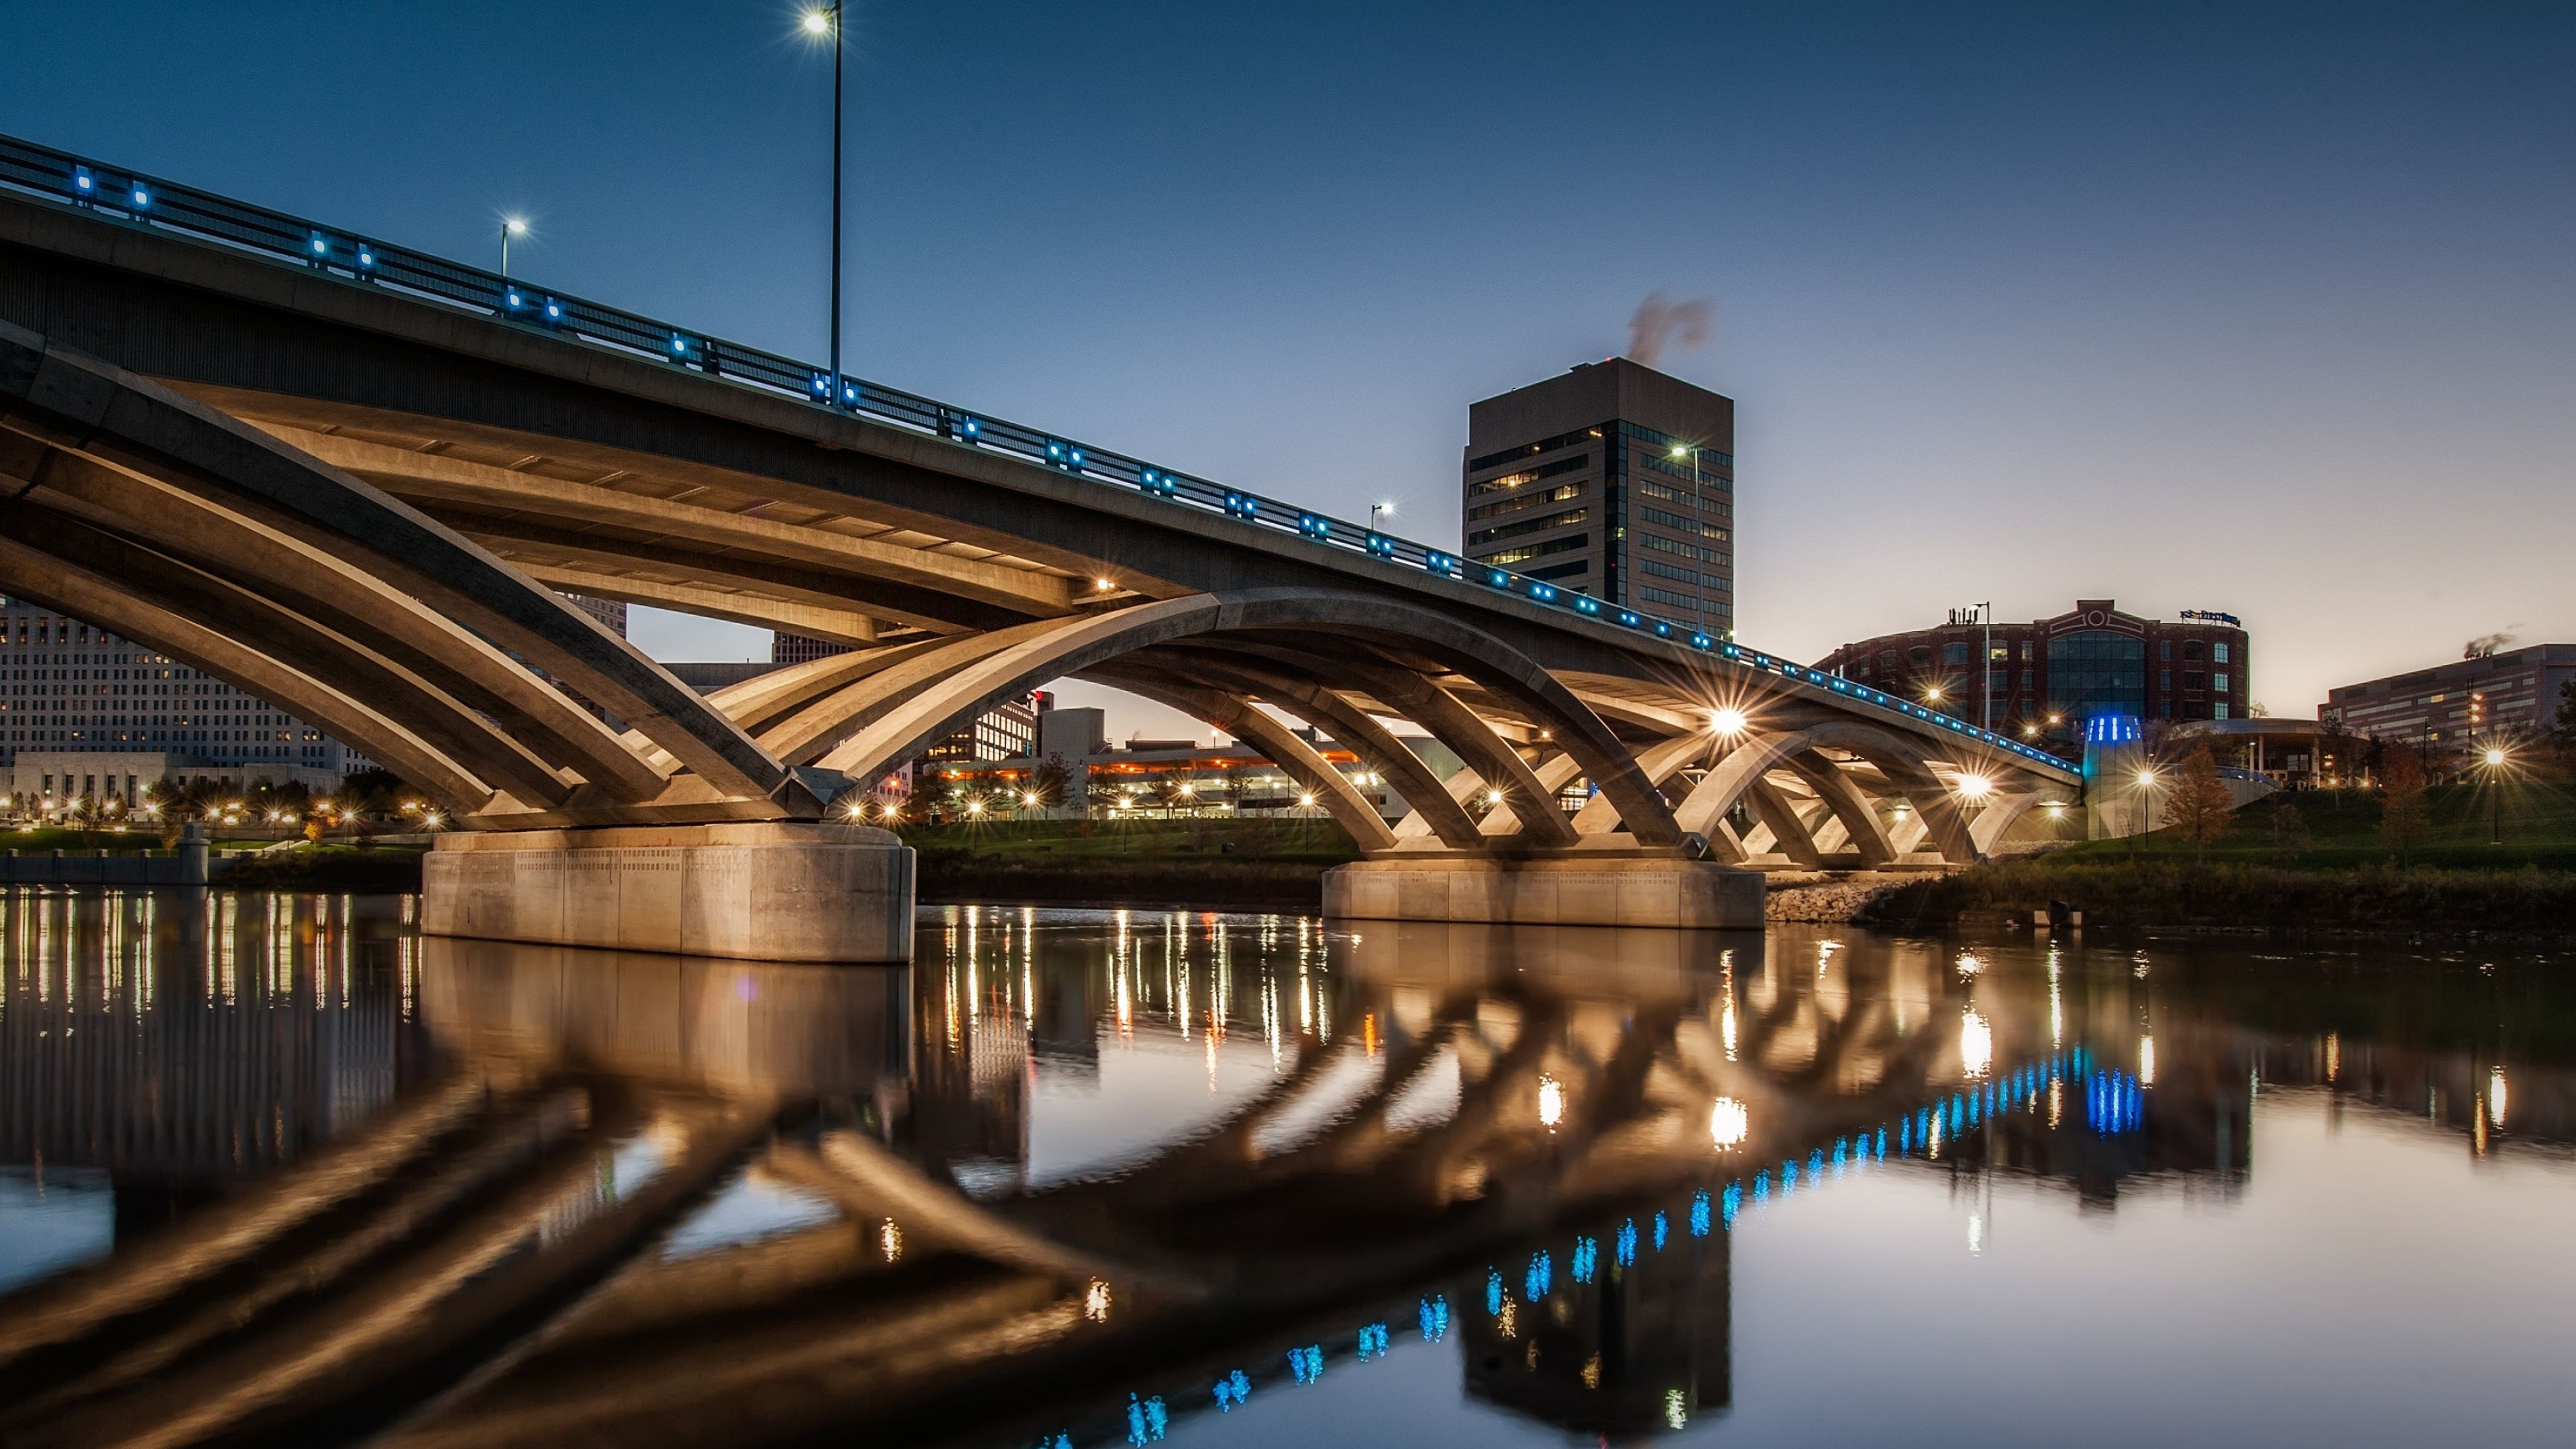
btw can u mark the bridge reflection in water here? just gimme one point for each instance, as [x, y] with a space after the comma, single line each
[1068, 1180]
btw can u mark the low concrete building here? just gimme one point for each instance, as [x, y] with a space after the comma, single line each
[2509, 695]
[49, 782]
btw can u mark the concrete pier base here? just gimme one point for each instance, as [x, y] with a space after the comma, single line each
[1690, 894]
[764, 892]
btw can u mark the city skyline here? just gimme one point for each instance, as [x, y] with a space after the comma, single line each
[1991, 289]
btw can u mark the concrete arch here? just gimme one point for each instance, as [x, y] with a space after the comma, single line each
[1734, 775]
[332, 672]
[1070, 647]
[1339, 797]
[76, 406]
[1282, 686]
[1865, 832]
[324, 592]
[2003, 812]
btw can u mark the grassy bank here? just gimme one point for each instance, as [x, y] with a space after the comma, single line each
[1248, 864]
[2326, 866]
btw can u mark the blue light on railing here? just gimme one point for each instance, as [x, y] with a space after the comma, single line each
[142, 198]
[1232, 1390]
[366, 255]
[1627, 618]
[1700, 641]
[1699, 1222]
[1627, 1249]
[1494, 1289]
[1434, 1317]
[514, 301]
[321, 247]
[1585, 1260]
[1147, 1419]
[554, 310]
[1307, 1363]
[1498, 578]
[1587, 606]
[1540, 1278]
[1314, 527]
[1543, 593]
[1663, 1230]
[1374, 1341]
[83, 182]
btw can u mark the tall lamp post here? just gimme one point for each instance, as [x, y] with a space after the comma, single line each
[826, 20]
[2495, 795]
[510, 226]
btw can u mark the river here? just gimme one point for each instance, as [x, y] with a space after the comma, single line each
[277, 1169]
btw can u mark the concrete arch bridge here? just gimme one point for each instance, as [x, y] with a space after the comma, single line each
[351, 478]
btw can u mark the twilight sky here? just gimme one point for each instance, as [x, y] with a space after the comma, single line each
[2262, 308]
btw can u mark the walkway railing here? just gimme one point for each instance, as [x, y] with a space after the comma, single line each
[116, 194]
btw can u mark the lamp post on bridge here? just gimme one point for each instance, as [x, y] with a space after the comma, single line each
[510, 226]
[821, 21]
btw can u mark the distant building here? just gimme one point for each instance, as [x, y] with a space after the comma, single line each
[2513, 693]
[2043, 679]
[785, 648]
[73, 688]
[1612, 480]
[611, 613]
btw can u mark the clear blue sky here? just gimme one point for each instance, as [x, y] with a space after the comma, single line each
[2268, 309]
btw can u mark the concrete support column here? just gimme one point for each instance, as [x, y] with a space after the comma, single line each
[1549, 891]
[767, 892]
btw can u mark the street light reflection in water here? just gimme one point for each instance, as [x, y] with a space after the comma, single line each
[276, 1168]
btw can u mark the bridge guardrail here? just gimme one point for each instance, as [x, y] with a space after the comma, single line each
[121, 195]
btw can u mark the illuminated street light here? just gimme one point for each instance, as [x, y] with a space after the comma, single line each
[2495, 758]
[1103, 585]
[1030, 799]
[1307, 799]
[1728, 722]
[1931, 694]
[510, 226]
[974, 807]
[821, 21]
[1975, 787]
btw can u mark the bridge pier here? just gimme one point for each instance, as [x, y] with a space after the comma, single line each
[789, 892]
[1548, 891]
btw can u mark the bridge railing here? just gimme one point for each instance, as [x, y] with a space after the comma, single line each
[130, 197]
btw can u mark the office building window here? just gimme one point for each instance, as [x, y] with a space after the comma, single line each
[1954, 653]
[2218, 653]
[2219, 682]
[2097, 671]
[2218, 710]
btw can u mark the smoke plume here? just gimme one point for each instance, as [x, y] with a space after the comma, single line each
[2486, 644]
[1661, 323]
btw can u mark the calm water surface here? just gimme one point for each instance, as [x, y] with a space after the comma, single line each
[277, 1170]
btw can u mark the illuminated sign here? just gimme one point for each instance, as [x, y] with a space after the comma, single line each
[2208, 616]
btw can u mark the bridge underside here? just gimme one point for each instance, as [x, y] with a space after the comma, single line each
[385, 568]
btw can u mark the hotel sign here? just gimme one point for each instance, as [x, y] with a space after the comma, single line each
[2211, 616]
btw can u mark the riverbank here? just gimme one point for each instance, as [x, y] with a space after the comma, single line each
[2308, 863]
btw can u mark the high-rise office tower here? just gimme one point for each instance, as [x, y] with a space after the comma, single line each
[1613, 480]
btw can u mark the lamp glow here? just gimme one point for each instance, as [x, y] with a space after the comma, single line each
[817, 23]
[1728, 722]
[1728, 1123]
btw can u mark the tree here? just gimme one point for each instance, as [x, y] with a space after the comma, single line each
[2199, 809]
[2563, 726]
[2403, 819]
[2289, 827]
[1051, 779]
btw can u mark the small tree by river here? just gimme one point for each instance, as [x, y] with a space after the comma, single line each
[2199, 809]
[2404, 821]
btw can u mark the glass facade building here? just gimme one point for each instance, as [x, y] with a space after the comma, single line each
[1612, 480]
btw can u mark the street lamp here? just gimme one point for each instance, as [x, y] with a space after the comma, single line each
[1377, 508]
[821, 21]
[510, 226]
[2495, 794]
[2146, 784]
